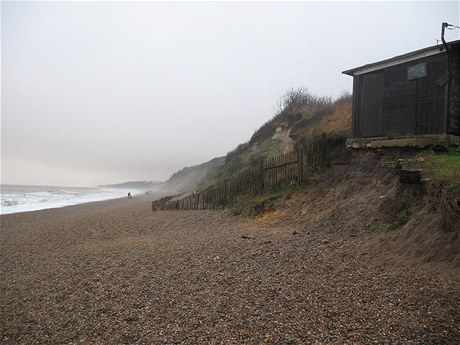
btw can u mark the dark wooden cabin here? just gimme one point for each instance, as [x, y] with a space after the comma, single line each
[412, 95]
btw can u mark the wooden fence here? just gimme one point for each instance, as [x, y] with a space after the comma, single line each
[292, 168]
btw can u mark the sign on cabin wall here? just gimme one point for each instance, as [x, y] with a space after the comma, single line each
[417, 71]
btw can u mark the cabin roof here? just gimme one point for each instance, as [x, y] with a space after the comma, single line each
[421, 53]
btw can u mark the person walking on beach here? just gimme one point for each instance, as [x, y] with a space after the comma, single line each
[129, 195]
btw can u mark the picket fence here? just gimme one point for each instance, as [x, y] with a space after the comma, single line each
[292, 168]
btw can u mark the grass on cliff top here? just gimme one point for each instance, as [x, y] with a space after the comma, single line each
[443, 167]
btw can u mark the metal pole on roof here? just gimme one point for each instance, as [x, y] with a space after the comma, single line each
[444, 43]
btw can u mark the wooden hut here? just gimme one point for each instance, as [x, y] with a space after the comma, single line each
[411, 99]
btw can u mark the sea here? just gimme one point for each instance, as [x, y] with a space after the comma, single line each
[15, 198]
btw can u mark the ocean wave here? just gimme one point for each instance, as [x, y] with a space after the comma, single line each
[9, 203]
[32, 198]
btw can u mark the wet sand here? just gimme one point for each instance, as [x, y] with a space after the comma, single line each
[115, 272]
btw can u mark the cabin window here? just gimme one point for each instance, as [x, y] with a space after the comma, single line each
[417, 71]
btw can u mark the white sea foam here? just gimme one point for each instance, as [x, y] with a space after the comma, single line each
[32, 198]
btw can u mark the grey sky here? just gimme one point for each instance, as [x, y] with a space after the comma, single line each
[105, 92]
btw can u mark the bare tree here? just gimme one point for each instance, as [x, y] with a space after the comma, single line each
[296, 100]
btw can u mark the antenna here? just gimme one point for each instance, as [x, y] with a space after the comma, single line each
[448, 27]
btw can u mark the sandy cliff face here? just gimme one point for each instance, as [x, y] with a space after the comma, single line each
[362, 199]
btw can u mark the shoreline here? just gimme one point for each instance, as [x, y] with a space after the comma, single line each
[97, 203]
[19, 199]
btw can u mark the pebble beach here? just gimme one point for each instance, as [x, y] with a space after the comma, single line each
[115, 272]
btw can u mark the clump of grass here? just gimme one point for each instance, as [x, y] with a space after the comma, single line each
[371, 227]
[444, 167]
[399, 222]
[375, 228]
[404, 215]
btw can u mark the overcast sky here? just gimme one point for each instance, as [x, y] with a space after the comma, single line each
[106, 92]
